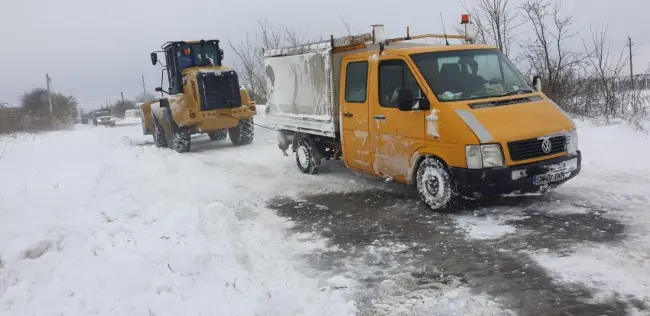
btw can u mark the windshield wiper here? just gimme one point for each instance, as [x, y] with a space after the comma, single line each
[515, 92]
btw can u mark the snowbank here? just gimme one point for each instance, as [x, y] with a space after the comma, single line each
[92, 223]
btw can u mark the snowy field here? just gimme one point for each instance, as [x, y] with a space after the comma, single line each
[99, 221]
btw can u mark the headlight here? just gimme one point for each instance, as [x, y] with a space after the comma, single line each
[492, 156]
[473, 154]
[572, 142]
[484, 156]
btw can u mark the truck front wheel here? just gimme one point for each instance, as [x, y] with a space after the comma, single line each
[306, 157]
[435, 184]
[243, 133]
[218, 135]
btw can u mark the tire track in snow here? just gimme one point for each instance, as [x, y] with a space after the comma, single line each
[418, 247]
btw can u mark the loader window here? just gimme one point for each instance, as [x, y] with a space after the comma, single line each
[356, 82]
[193, 55]
[393, 76]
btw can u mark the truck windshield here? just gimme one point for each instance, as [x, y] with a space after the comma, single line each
[470, 74]
[193, 55]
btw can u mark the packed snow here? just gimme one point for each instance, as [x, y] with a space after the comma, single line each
[98, 220]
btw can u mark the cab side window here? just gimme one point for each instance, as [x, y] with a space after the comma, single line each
[395, 75]
[356, 82]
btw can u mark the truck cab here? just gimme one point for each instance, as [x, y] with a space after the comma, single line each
[453, 120]
[203, 96]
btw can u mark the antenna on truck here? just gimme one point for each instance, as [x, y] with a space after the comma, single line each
[443, 29]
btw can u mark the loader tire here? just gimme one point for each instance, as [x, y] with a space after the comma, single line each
[243, 133]
[178, 138]
[158, 133]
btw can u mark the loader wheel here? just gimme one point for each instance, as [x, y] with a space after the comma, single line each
[242, 134]
[158, 134]
[306, 157]
[178, 138]
[219, 135]
[145, 130]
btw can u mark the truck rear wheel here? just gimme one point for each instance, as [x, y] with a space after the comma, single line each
[306, 157]
[242, 134]
[178, 138]
[158, 134]
[435, 184]
[218, 135]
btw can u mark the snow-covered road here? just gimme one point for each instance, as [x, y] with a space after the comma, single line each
[99, 221]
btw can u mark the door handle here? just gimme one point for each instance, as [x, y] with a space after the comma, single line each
[379, 117]
[348, 114]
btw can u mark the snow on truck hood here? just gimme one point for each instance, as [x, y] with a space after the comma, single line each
[516, 121]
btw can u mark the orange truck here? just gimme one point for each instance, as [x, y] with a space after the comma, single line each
[453, 120]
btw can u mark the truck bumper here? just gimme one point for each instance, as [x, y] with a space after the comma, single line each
[534, 178]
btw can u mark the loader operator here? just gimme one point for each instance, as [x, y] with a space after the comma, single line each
[186, 59]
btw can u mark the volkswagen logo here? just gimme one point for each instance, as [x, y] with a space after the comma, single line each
[547, 146]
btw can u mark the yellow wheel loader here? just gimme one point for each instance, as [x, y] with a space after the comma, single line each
[203, 97]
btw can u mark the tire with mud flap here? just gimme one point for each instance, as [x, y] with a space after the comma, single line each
[158, 133]
[306, 157]
[218, 135]
[436, 185]
[243, 133]
[178, 138]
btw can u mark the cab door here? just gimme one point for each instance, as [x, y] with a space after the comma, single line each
[354, 114]
[395, 135]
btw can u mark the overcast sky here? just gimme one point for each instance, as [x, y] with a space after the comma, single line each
[97, 49]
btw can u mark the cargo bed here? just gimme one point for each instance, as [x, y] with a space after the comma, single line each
[301, 96]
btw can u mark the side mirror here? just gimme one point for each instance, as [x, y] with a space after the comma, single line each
[159, 89]
[408, 103]
[154, 58]
[405, 99]
[537, 83]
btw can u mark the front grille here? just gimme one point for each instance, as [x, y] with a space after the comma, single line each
[219, 90]
[532, 148]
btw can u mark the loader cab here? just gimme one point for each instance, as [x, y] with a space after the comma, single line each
[182, 55]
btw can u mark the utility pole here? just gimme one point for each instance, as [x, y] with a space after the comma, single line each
[49, 92]
[122, 93]
[144, 90]
[631, 67]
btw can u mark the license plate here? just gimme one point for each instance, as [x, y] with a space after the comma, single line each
[549, 177]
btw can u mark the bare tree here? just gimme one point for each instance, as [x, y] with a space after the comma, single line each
[250, 66]
[545, 54]
[293, 37]
[496, 22]
[608, 94]
[270, 36]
